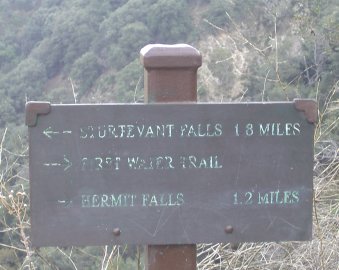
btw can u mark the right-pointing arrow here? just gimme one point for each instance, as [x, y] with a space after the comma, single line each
[65, 203]
[66, 163]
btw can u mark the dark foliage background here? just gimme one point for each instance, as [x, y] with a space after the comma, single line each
[67, 51]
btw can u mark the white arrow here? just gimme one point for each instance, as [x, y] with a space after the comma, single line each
[66, 163]
[66, 203]
[49, 132]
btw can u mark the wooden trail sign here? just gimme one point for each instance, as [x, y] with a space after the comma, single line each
[170, 173]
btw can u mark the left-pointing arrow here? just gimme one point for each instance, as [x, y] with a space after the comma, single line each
[65, 163]
[49, 132]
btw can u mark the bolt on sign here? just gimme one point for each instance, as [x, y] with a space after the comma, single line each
[170, 173]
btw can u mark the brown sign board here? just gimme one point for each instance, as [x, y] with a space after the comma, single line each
[170, 173]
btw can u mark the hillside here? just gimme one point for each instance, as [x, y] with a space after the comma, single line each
[78, 51]
[46, 45]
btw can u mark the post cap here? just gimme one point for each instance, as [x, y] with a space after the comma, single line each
[170, 56]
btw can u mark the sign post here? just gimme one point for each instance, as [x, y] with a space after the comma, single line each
[170, 76]
[170, 173]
